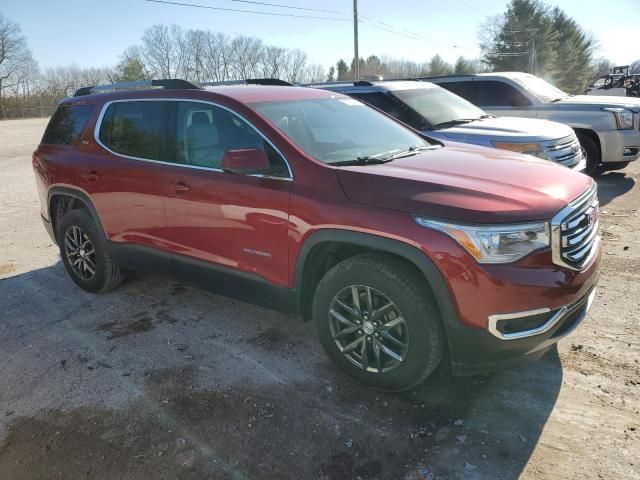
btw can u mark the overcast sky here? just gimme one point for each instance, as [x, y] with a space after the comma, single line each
[95, 33]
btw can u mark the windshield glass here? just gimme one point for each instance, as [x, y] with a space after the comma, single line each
[541, 88]
[339, 129]
[438, 105]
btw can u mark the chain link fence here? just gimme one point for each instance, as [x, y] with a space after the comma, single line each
[12, 108]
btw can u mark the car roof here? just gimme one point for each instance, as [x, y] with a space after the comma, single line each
[374, 86]
[466, 76]
[240, 93]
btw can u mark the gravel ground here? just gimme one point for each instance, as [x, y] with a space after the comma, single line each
[162, 380]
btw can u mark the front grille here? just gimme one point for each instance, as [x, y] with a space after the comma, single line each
[575, 231]
[565, 151]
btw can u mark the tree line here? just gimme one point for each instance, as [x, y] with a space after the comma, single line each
[529, 36]
[163, 52]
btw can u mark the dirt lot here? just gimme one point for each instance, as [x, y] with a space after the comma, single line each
[161, 380]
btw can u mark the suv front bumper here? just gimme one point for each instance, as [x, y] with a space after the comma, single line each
[510, 314]
[493, 351]
[620, 145]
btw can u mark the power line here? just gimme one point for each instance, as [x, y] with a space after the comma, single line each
[280, 5]
[274, 14]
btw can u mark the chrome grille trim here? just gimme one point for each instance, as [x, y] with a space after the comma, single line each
[574, 231]
[565, 151]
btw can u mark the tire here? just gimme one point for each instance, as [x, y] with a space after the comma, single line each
[608, 166]
[389, 280]
[82, 243]
[592, 152]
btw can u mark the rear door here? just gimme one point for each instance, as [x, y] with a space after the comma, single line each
[126, 177]
[225, 221]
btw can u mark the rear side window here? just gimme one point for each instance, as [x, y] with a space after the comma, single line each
[497, 94]
[136, 129]
[67, 124]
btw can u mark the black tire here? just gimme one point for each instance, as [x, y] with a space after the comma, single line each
[108, 274]
[608, 166]
[398, 282]
[592, 152]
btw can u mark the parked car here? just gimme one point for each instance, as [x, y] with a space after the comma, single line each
[608, 127]
[445, 116]
[404, 252]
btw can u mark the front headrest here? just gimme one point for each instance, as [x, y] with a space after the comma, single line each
[200, 118]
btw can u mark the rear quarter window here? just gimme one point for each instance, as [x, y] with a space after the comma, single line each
[67, 124]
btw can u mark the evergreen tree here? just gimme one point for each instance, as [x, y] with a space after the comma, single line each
[343, 70]
[437, 66]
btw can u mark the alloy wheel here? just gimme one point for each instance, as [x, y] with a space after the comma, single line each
[80, 253]
[368, 328]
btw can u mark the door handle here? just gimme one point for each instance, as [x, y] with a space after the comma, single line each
[90, 175]
[178, 187]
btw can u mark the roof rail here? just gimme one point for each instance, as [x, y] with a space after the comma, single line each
[252, 81]
[168, 83]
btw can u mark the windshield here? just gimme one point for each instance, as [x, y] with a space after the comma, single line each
[338, 129]
[541, 88]
[438, 106]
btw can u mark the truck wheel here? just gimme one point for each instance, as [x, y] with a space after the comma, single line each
[84, 253]
[378, 322]
[592, 152]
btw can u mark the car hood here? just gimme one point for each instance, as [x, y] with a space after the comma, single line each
[466, 183]
[602, 101]
[509, 129]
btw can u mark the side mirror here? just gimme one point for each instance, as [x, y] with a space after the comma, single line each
[245, 160]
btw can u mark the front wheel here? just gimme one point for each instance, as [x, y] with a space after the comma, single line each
[592, 154]
[378, 322]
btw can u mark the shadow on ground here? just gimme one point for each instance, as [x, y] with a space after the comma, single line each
[612, 185]
[190, 422]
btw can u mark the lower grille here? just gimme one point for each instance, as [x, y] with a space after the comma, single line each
[574, 231]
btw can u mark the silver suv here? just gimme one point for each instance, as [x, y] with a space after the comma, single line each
[608, 127]
[442, 115]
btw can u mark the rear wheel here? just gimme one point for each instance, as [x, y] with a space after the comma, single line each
[591, 152]
[85, 255]
[377, 321]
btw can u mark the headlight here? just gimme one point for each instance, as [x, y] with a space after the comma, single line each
[527, 148]
[624, 118]
[494, 243]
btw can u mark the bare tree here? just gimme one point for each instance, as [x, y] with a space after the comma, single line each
[164, 50]
[15, 57]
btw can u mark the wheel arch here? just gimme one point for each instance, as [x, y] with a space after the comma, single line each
[64, 199]
[306, 270]
[593, 135]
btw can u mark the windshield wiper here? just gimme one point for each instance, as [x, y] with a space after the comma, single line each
[453, 123]
[378, 159]
[414, 150]
[364, 160]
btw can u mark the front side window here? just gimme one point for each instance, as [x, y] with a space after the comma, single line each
[541, 88]
[137, 129]
[462, 89]
[438, 105]
[205, 132]
[67, 124]
[498, 94]
[339, 129]
[390, 105]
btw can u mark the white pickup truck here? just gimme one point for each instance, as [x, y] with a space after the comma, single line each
[608, 127]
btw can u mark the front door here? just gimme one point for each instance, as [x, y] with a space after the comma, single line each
[219, 221]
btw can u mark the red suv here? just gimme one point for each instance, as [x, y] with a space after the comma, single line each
[404, 251]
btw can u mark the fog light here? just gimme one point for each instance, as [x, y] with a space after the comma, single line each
[630, 151]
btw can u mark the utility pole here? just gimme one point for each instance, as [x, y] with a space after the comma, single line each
[532, 55]
[355, 40]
